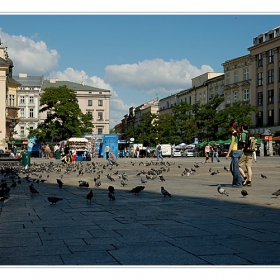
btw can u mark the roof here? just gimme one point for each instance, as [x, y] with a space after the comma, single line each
[30, 81]
[71, 85]
[13, 81]
[3, 62]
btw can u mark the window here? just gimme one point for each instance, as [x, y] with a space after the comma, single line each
[31, 113]
[21, 99]
[235, 76]
[260, 118]
[100, 116]
[228, 98]
[270, 76]
[31, 99]
[89, 103]
[22, 113]
[99, 131]
[30, 128]
[235, 96]
[245, 94]
[227, 79]
[245, 74]
[100, 102]
[260, 98]
[49, 114]
[260, 59]
[270, 56]
[270, 119]
[11, 100]
[22, 131]
[260, 78]
[89, 112]
[270, 96]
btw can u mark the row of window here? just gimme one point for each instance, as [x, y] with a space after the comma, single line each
[235, 76]
[270, 55]
[22, 99]
[270, 118]
[270, 97]
[270, 77]
[235, 96]
[100, 102]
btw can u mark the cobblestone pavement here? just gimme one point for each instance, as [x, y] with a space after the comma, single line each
[196, 226]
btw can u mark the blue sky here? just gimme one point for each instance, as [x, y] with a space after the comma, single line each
[138, 57]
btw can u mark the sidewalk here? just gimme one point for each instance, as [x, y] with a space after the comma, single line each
[195, 226]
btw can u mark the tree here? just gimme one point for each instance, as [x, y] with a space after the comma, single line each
[65, 118]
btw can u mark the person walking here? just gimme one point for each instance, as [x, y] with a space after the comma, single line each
[246, 158]
[215, 153]
[235, 153]
[159, 152]
[207, 149]
[107, 149]
[47, 151]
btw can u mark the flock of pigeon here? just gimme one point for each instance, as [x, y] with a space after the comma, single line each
[14, 174]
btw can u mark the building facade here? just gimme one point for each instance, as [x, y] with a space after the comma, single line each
[29, 104]
[266, 81]
[91, 100]
[8, 99]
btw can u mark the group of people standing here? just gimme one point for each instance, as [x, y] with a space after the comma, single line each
[240, 157]
[215, 153]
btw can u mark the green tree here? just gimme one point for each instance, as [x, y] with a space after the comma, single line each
[65, 118]
[239, 113]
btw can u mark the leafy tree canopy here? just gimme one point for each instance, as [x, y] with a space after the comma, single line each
[65, 118]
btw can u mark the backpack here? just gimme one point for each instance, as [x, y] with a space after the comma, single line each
[249, 143]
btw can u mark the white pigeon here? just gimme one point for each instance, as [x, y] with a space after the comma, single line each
[222, 191]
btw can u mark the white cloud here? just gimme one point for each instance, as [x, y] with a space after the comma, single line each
[117, 107]
[29, 56]
[155, 76]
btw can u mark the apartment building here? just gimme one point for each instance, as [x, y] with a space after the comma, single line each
[237, 81]
[91, 100]
[266, 80]
[29, 104]
[8, 99]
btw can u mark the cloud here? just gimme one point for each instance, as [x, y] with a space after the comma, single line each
[155, 76]
[29, 56]
[117, 107]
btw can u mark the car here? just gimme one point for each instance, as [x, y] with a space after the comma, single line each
[188, 153]
[176, 153]
[222, 152]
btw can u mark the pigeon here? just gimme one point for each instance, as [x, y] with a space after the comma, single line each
[226, 169]
[89, 196]
[83, 184]
[244, 193]
[59, 182]
[263, 176]
[110, 177]
[222, 191]
[123, 183]
[276, 193]
[54, 199]
[165, 192]
[137, 189]
[111, 193]
[32, 189]
[143, 181]
[161, 178]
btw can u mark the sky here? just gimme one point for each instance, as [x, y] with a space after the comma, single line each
[137, 56]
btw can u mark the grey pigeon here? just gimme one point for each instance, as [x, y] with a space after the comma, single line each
[89, 196]
[32, 189]
[263, 176]
[83, 184]
[276, 193]
[137, 189]
[165, 192]
[111, 193]
[59, 182]
[222, 191]
[54, 199]
[244, 193]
